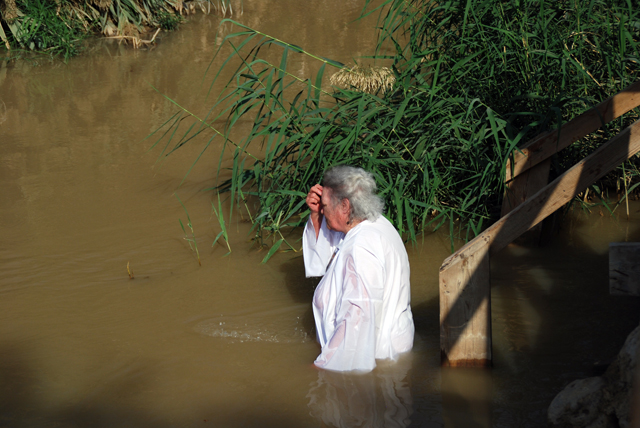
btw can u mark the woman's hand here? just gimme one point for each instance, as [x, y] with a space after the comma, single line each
[315, 205]
[313, 199]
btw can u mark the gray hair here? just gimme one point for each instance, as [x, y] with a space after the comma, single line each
[357, 186]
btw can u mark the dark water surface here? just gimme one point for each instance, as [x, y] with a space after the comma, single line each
[230, 343]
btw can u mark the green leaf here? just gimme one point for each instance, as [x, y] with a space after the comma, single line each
[273, 250]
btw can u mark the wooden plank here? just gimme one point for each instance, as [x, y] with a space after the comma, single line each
[545, 145]
[624, 268]
[465, 310]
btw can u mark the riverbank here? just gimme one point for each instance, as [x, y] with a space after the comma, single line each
[57, 28]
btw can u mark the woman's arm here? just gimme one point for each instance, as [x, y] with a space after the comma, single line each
[318, 247]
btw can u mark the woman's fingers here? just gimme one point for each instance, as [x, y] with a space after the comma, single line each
[317, 189]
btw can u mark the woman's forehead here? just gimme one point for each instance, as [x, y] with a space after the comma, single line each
[326, 195]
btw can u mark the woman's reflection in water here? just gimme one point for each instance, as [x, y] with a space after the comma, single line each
[381, 398]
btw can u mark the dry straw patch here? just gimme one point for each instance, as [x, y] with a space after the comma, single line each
[370, 79]
[103, 4]
[8, 10]
[134, 38]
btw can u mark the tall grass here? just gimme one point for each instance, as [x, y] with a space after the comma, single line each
[39, 25]
[473, 79]
[56, 27]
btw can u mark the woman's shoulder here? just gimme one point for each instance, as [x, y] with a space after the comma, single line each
[381, 226]
[376, 232]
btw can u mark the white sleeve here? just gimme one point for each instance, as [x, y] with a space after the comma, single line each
[352, 346]
[317, 252]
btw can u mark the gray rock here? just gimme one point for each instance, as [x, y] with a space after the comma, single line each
[619, 380]
[599, 402]
[578, 404]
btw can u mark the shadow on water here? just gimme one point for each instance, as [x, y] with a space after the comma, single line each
[24, 402]
[17, 381]
[301, 290]
[553, 322]
[567, 292]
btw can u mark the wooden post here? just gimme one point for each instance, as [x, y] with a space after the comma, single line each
[624, 268]
[465, 304]
[522, 187]
[465, 308]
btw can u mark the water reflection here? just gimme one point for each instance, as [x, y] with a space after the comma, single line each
[381, 398]
[466, 398]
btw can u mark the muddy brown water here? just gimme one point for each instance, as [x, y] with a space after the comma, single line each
[230, 343]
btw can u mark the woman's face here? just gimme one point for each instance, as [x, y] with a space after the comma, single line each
[336, 215]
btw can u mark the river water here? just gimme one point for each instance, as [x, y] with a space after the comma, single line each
[230, 343]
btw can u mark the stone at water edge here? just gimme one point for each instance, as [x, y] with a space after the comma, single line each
[599, 402]
[577, 404]
[619, 380]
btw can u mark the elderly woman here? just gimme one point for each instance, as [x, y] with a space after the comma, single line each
[362, 304]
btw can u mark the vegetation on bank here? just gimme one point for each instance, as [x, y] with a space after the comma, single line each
[57, 26]
[471, 81]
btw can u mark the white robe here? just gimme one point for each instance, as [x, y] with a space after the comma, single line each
[362, 304]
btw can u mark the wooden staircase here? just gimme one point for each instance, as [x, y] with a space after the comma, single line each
[465, 289]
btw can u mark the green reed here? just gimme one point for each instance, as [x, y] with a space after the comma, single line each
[473, 79]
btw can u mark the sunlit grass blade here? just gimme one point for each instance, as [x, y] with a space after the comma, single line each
[223, 225]
[190, 240]
[275, 247]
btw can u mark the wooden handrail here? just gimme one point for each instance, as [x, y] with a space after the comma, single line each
[549, 143]
[465, 299]
[561, 190]
[528, 171]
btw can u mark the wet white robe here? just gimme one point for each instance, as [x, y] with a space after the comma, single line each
[362, 304]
